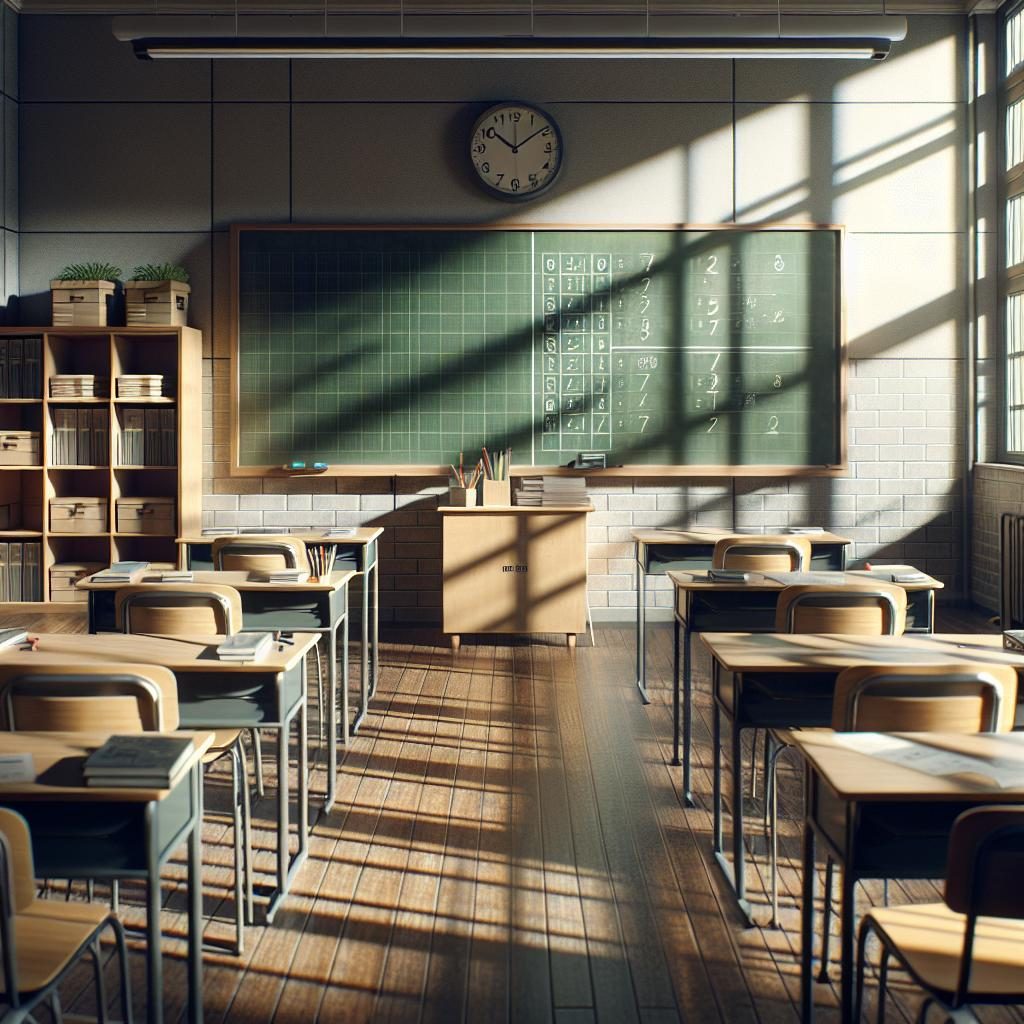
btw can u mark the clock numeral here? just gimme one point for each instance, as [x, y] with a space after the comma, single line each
[485, 167]
[514, 184]
[479, 148]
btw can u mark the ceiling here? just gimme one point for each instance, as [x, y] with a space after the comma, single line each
[140, 7]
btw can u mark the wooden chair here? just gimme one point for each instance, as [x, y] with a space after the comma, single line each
[762, 553]
[178, 609]
[955, 697]
[967, 949]
[265, 553]
[856, 609]
[259, 553]
[860, 609]
[42, 940]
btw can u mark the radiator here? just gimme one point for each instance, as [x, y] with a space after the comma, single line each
[1011, 571]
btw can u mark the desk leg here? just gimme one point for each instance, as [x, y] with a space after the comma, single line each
[688, 716]
[154, 949]
[91, 608]
[641, 631]
[807, 922]
[716, 775]
[195, 903]
[846, 944]
[332, 725]
[675, 693]
[364, 668]
[375, 663]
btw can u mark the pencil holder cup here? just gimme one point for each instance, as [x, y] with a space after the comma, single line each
[462, 497]
[497, 492]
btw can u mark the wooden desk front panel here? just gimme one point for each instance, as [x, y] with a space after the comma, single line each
[515, 573]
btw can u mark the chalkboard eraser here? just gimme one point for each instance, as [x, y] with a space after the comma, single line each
[298, 466]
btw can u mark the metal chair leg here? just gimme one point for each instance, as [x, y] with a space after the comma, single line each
[115, 896]
[321, 696]
[126, 984]
[858, 991]
[238, 781]
[753, 764]
[772, 805]
[922, 1014]
[97, 969]
[250, 913]
[883, 981]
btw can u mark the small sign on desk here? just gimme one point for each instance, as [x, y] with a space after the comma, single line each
[17, 768]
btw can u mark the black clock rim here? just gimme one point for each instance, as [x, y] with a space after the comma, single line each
[517, 197]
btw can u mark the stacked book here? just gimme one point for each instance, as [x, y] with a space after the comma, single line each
[553, 490]
[140, 385]
[80, 437]
[177, 576]
[121, 572]
[77, 385]
[283, 576]
[245, 647]
[145, 761]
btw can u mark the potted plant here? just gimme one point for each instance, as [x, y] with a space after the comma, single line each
[157, 294]
[81, 293]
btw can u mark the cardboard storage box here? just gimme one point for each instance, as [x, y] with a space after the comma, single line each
[146, 515]
[80, 303]
[78, 515]
[156, 302]
[63, 576]
[20, 448]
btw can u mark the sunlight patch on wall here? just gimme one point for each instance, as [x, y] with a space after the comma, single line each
[776, 188]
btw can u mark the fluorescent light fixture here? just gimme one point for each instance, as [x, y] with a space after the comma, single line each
[680, 37]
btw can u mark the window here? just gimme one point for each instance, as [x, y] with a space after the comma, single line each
[1012, 268]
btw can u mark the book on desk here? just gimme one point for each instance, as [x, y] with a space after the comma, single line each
[144, 761]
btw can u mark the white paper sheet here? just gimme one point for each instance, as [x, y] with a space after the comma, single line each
[17, 768]
[1005, 772]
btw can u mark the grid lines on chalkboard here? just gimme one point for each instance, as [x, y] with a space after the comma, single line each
[407, 346]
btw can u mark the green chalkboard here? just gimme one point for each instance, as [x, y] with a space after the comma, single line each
[393, 349]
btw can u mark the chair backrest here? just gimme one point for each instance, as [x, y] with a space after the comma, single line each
[983, 873]
[259, 554]
[110, 697]
[179, 609]
[20, 869]
[961, 697]
[762, 553]
[870, 609]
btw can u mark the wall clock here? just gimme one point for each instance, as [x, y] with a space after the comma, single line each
[516, 150]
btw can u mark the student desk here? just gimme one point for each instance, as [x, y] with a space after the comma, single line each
[308, 607]
[213, 694]
[853, 799]
[81, 831]
[357, 551]
[661, 551]
[784, 680]
[711, 606]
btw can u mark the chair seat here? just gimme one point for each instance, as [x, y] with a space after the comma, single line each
[930, 939]
[223, 740]
[47, 941]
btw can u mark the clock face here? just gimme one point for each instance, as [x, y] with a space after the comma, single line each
[516, 150]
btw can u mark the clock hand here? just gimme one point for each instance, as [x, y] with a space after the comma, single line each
[526, 140]
[498, 135]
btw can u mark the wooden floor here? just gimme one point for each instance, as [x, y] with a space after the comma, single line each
[509, 844]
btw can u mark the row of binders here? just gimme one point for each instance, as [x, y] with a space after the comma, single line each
[21, 367]
[552, 490]
[147, 438]
[81, 437]
[21, 576]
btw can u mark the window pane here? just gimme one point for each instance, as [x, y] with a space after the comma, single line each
[1015, 372]
[1014, 41]
[1014, 230]
[1014, 134]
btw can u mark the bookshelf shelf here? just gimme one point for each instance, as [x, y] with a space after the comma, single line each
[107, 353]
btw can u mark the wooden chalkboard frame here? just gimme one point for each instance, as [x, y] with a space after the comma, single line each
[839, 468]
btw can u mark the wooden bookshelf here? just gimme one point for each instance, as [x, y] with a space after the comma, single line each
[106, 352]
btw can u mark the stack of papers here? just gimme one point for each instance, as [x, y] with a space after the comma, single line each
[553, 490]
[77, 385]
[140, 385]
[283, 576]
[13, 636]
[245, 647]
[340, 531]
[120, 572]
[145, 761]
